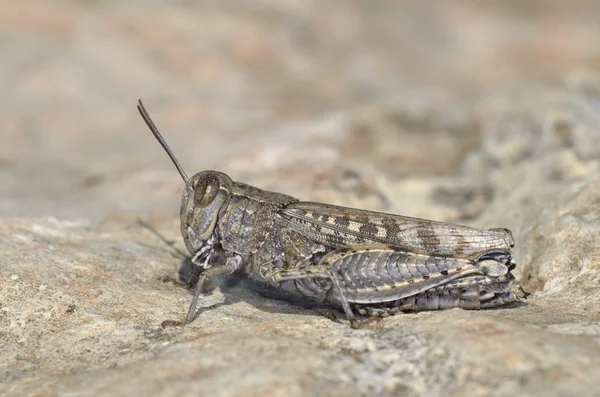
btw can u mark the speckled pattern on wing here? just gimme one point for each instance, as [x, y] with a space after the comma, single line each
[339, 226]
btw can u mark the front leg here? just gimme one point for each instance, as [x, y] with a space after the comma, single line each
[231, 265]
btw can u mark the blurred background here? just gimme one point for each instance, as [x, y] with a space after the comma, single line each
[245, 86]
[480, 113]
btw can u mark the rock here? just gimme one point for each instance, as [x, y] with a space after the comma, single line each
[82, 308]
[287, 98]
[85, 305]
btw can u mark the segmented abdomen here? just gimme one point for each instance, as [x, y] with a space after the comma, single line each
[474, 293]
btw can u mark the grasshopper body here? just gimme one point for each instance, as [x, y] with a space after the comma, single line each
[374, 263]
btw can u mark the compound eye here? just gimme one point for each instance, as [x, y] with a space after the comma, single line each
[206, 190]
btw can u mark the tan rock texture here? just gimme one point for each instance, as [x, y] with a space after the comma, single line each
[327, 101]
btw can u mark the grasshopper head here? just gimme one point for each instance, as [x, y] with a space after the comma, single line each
[203, 196]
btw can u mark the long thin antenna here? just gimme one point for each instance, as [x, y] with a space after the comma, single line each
[162, 238]
[161, 140]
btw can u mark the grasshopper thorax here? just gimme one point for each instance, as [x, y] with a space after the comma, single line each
[203, 196]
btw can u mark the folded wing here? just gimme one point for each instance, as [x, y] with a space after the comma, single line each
[336, 227]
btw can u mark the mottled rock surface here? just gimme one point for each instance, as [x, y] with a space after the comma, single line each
[287, 97]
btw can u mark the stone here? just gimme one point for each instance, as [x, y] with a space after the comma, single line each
[85, 304]
[287, 98]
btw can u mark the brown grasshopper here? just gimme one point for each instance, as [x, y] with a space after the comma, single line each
[374, 263]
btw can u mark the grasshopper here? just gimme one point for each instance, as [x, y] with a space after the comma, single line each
[372, 263]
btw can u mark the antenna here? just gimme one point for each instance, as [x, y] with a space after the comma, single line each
[161, 140]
